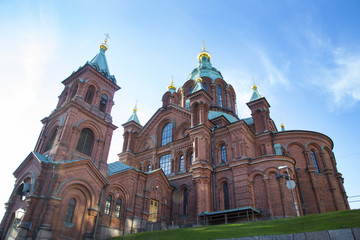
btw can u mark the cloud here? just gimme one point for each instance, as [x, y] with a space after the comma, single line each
[343, 81]
[273, 73]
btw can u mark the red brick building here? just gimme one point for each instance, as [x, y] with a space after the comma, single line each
[194, 162]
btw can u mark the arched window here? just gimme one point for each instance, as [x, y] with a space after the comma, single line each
[181, 167]
[185, 202]
[108, 205]
[191, 158]
[223, 154]
[165, 163]
[51, 140]
[103, 102]
[118, 207]
[74, 91]
[314, 161]
[86, 141]
[226, 195]
[166, 135]
[70, 211]
[205, 86]
[219, 96]
[90, 94]
[148, 169]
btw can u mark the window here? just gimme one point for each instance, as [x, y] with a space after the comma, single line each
[226, 195]
[148, 169]
[205, 86]
[51, 140]
[181, 168]
[223, 154]
[166, 136]
[70, 211]
[86, 141]
[185, 202]
[314, 161]
[108, 205]
[90, 94]
[165, 163]
[229, 101]
[153, 210]
[103, 103]
[73, 92]
[191, 158]
[219, 96]
[118, 208]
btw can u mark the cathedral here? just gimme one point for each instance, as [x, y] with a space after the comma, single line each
[195, 162]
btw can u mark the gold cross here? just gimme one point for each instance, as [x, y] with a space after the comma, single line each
[107, 36]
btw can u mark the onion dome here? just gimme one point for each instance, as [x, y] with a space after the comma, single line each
[282, 126]
[204, 69]
[172, 87]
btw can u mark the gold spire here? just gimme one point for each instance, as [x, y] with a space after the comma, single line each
[282, 125]
[171, 86]
[135, 108]
[199, 80]
[204, 53]
[104, 45]
[254, 85]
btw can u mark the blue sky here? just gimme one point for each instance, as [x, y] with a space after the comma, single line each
[303, 55]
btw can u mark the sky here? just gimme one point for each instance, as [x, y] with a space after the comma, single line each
[303, 55]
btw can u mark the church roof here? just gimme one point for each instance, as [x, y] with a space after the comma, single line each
[99, 63]
[117, 167]
[215, 114]
[204, 69]
[134, 117]
[198, 86]
[249, 121]
[41, 157]
[255, 95]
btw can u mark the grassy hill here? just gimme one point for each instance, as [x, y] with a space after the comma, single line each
[308, 223]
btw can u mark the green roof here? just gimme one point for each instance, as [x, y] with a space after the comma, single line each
[99, 63]
[134, 117]
[205, 69]
[117, 167]
[255, 95]
[215, 114]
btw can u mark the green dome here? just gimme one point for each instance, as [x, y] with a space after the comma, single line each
[204, 69]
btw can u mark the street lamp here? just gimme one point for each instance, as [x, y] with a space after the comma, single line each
[290, 184]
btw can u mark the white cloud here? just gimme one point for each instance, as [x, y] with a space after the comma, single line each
[344, 80]
[274, 74]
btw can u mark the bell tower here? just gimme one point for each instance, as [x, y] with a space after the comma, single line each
[81, 126]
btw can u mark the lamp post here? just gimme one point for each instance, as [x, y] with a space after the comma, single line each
[291, 185]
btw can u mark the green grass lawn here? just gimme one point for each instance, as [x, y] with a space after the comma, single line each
[308, 223]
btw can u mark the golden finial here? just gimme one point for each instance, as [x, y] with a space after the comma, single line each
[199, 80]
[136, 108]
[104, 45]
[282, 125]
[254, 85]
[204, 53]
[171, 86]
[107, 36]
